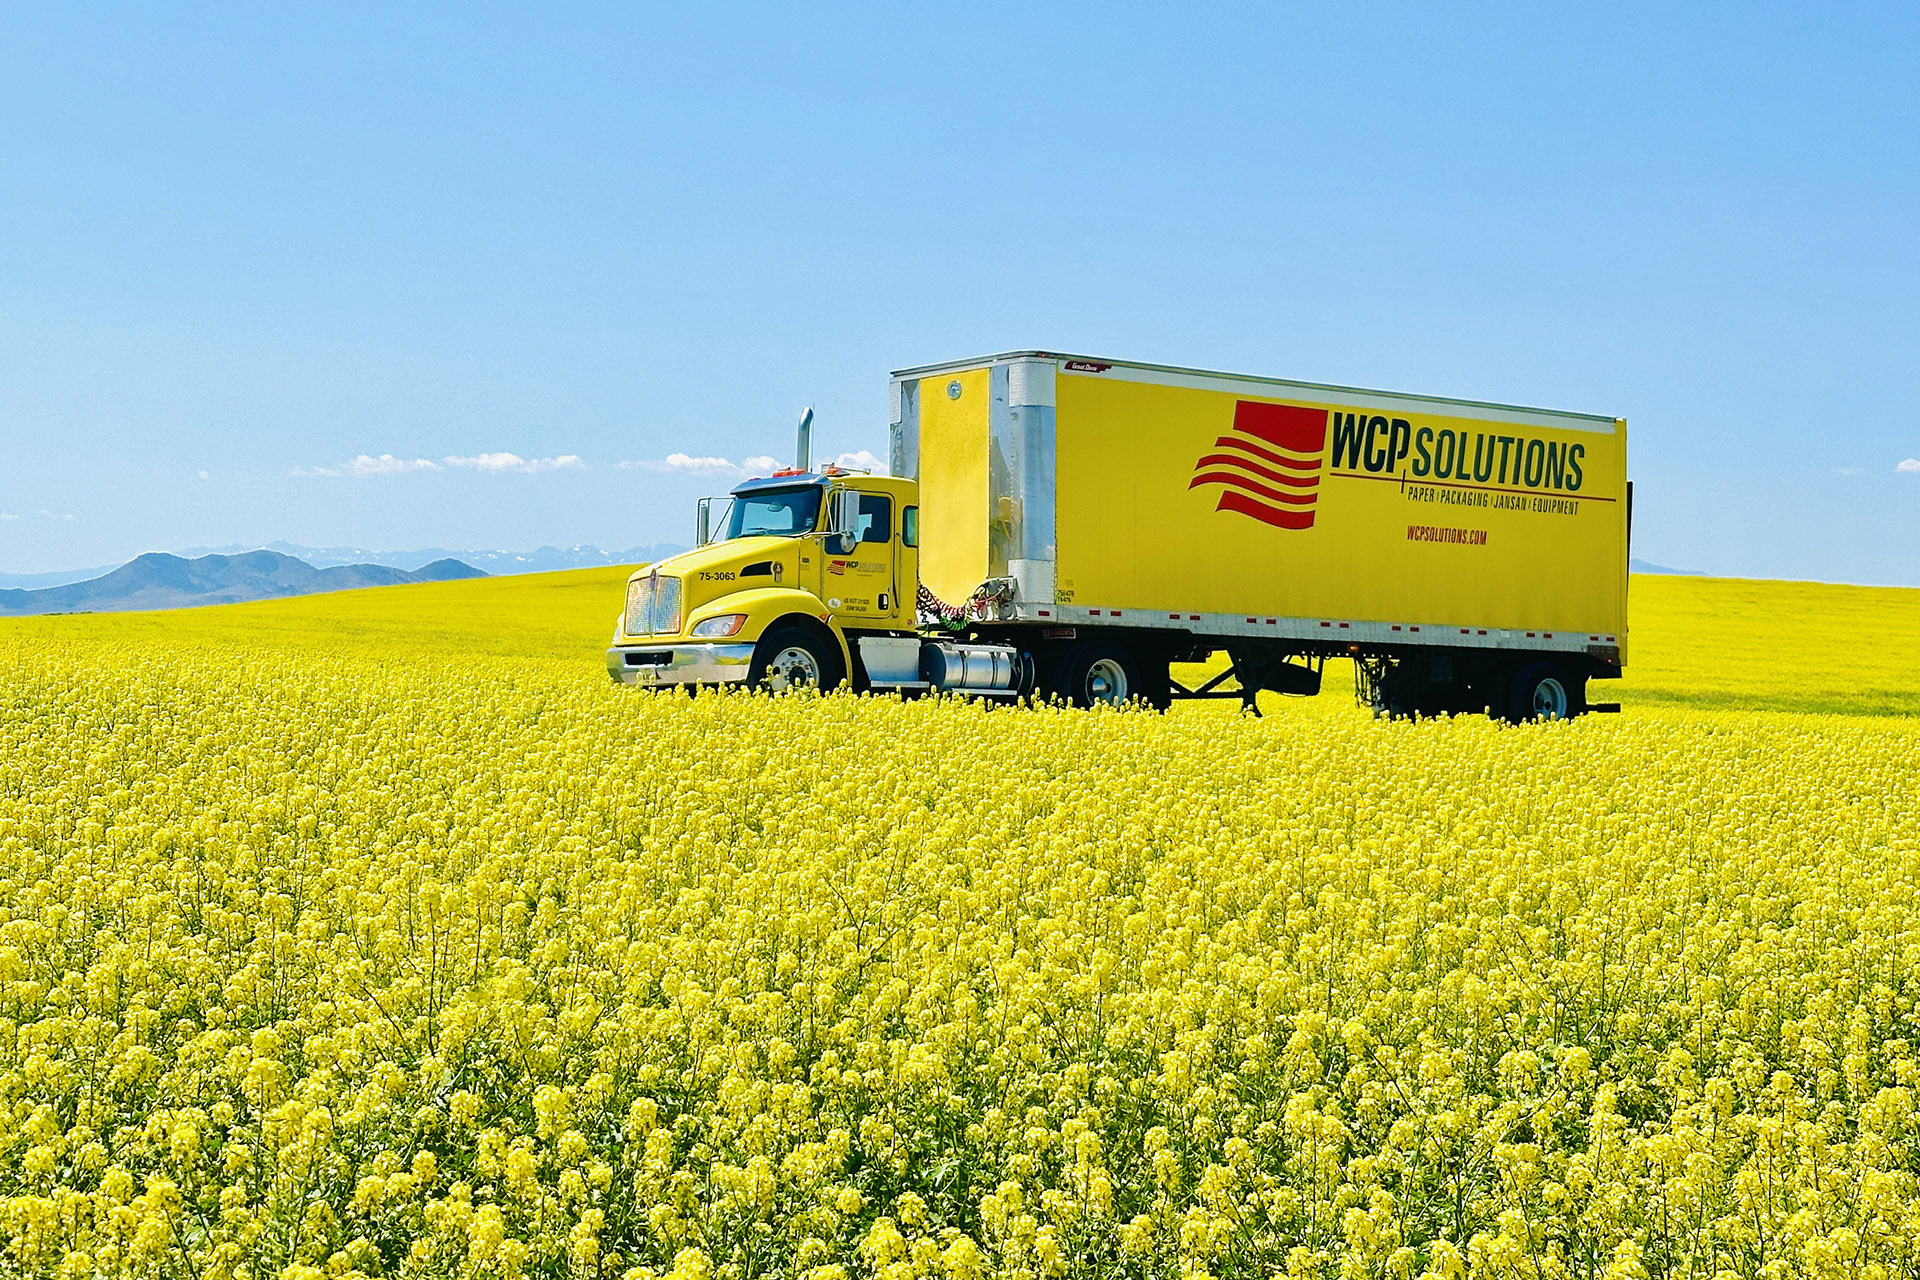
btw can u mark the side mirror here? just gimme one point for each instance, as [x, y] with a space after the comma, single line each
[845, 523]
[705, 518]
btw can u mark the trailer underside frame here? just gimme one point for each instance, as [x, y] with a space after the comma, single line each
[1409, 674]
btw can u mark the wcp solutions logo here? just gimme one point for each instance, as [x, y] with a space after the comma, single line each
[1269, 467]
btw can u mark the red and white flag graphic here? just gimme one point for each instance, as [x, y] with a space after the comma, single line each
[1269, 468]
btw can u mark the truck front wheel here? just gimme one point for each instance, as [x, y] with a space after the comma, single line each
[1545, 691]
[791, 657]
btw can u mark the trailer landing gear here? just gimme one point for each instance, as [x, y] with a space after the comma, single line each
[1254, 672]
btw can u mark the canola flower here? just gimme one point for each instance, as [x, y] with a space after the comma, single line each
[338, 956]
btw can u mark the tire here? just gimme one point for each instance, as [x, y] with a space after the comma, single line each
[1098, 671]
[791, 657]
[1545, 691]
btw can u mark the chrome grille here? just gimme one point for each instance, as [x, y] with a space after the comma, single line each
[653, 606]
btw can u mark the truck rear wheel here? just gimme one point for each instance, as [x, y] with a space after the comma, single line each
[1545, 691]
[1098, 671]
[791, 657]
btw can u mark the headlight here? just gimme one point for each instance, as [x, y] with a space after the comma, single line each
[724, 625]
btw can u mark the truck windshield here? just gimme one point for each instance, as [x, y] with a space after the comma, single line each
[774, 511]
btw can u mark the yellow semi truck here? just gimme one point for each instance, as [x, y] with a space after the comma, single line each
[1069, 526]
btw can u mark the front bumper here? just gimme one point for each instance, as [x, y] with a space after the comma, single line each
[649, 665]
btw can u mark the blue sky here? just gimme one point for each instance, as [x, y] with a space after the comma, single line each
[243, 249]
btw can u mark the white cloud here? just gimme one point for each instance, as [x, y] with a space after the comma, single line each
[51, 516]
[387, 465]
[756, 465]
[1908, 466]
[1849, 471]
[687, 464]
[205, 476]
[503, 463]
[367, 465]
[9, 515]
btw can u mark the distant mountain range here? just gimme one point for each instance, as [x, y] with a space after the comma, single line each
[1647, 566]
[545, 560]
[160, 581]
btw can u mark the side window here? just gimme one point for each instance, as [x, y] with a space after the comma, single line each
[876, 518]
[909, 526]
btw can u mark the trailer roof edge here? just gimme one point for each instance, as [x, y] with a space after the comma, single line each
[954, 366]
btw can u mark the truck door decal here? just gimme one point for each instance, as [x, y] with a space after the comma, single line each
[1269, 467]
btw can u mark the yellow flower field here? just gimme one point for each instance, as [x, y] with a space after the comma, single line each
[379, 934]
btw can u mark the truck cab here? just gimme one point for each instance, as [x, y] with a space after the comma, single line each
[802, 567]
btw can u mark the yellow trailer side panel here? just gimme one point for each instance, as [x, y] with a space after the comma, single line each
[1252, 501]
[953, 483]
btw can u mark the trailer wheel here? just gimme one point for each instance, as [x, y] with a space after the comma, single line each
[791, 657]
[1100, 672]
[1545, 691]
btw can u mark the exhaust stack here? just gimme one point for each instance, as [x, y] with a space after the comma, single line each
[802, 449]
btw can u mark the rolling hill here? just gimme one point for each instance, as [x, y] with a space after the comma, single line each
[160, 581]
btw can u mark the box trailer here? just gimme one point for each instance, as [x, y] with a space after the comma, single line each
[1072, 526]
